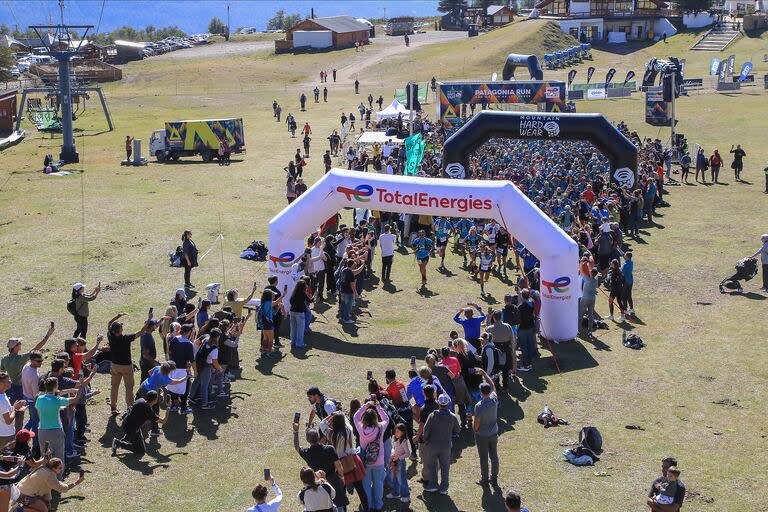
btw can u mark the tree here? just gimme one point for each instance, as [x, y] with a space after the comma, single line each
[282, 21]
[277, 21]
[449, 6]
[694, 6]
[6, 62]
[4, 29]
[291, 20]
[216, 26]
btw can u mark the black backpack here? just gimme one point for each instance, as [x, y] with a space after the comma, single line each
[590, 437]
[202, 355]
[72, 307]
[497, 355]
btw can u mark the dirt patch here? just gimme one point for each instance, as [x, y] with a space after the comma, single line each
[697, 496]
[729, 403]
[120, 284]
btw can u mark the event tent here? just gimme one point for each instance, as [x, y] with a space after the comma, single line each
[393, 110]
[373, 137]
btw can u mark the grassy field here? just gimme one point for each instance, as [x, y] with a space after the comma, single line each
[698, 389]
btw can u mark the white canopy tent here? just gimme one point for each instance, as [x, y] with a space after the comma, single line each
[371, 138]
[393, 110]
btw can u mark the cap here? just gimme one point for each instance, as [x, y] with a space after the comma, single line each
[181, 292]
[13, 342]
[24, 435]
[444, 399]
[78, 286]
[153, 322]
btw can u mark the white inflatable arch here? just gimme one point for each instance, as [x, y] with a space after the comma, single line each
[503, 201]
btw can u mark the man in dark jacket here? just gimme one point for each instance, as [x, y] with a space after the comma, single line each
[188, 258]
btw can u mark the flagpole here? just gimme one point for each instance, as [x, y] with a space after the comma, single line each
[410, 106]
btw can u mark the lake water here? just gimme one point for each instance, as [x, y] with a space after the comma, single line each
[193, 16]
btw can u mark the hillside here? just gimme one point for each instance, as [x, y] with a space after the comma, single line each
[483, 55]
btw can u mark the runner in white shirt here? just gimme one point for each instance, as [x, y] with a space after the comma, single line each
[387, 242]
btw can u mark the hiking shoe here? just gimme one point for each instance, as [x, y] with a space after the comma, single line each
[430, 489]
[154, 433]
[405, 499]
[622, 318]
[391, 496]
[348, 322]
[444, 493]
[610, 317]
[114, 412]
[523, 368]
[482, 483]
[114, 446]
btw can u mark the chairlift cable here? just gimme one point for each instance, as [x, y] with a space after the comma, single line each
[98, 25]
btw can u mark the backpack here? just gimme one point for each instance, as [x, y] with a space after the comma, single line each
[72, 307]
[497, 355]
[202, 355]
[372, 450]
[391, 410]
[590, 437]
[632, 341]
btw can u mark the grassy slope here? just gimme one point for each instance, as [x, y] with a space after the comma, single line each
[697, 354]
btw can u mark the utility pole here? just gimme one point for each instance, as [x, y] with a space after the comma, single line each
[410, 107]
[672, 113]
[228, 32]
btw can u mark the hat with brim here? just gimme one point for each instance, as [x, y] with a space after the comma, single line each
[24, 435]
[13, 342]
[78, 286]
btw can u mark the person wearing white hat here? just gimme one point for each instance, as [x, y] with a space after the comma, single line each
[13, 364]
[763, 252]
[80, 300]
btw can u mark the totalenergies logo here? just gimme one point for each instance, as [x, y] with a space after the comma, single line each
[559, 285]
[285, 260]
[361, 193]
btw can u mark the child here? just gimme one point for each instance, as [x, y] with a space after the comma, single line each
[401, 451]
[668, 487]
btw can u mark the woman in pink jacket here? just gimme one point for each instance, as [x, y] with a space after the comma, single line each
[371, 421]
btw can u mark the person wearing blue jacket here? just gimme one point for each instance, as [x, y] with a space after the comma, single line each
[470, 323]
[627, 268]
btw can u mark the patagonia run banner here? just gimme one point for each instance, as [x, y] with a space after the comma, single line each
[454, 94]
[414, 153]
[609, 77]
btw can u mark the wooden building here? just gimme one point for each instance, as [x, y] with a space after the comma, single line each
[345, 32]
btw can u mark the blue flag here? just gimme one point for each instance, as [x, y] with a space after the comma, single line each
[714, 67]
[745, 69]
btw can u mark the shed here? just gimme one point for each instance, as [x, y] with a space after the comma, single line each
[7, 110]
[345, 31]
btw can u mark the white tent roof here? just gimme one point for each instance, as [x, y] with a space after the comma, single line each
[393, 110]
[372, 137]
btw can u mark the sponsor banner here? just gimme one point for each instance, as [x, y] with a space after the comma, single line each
[656, 111]
[722, 71]
[731, 64]
[630, 76]
[714, 66]
[590, 72]
[747, 79]
[389, 199]
[454, 94]
[693, 82]
[745, 69]
[596, 94]
[538, 127]
[609, 77]
[571, 76]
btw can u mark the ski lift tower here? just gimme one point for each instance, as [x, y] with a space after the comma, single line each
[60, 47]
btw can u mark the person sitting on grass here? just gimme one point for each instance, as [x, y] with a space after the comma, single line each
[657, 489]
[35, 489]
[512, 502]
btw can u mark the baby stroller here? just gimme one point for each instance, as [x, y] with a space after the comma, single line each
[746, 269]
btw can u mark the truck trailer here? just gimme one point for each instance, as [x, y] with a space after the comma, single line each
[197, 137]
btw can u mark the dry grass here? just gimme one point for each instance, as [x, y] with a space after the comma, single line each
[129, 218]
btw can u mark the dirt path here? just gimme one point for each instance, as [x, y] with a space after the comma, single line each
[381, 49]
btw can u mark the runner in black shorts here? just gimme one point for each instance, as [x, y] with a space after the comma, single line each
[443, 229]
[486, 262]
[503, 241]
[422, 247]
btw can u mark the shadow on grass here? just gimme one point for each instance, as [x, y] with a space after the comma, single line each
[437, 502]
[326, 343]
[493, 498]
[571, 356]
[622, 48]
[595, 342]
